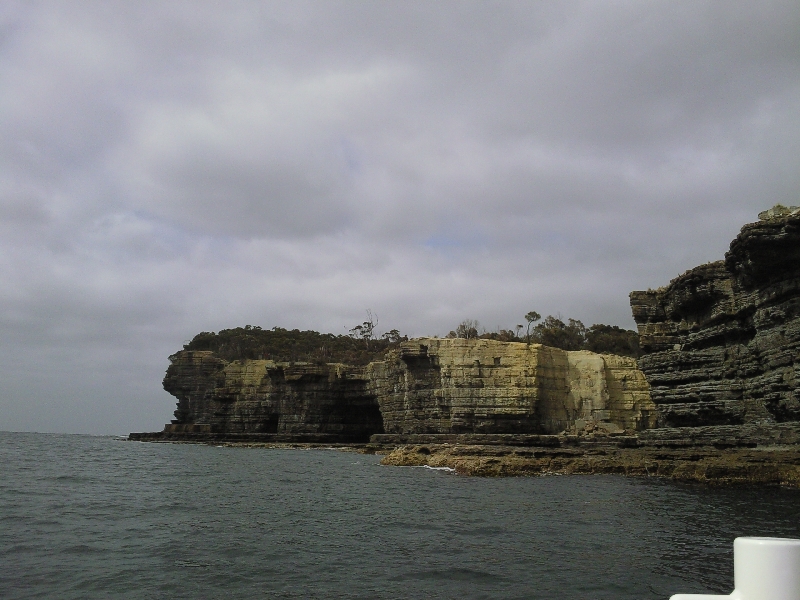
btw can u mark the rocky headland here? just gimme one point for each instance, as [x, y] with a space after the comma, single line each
[426, 386]
[714, 396]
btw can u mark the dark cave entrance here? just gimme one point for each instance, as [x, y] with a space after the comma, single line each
[270, 423]
[355, 419]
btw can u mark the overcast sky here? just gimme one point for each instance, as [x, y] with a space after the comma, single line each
[171, 168]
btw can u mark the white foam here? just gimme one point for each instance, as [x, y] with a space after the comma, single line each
[448, 469]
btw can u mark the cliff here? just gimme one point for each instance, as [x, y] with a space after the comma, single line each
[720, 342]
[434, 385]
[244, 397]
[428, 385]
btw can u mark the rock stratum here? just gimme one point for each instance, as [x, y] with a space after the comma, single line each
[760, 466]
[720, 342]
[427, 386]
[481, 386]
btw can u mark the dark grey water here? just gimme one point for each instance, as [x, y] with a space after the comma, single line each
[93, 517]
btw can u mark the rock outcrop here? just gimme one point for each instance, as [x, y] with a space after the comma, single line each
[437, 385]
[720, 343]
[752, 466]
[429, 385]
[264, 397]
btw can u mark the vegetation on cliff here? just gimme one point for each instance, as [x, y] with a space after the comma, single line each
[284, 345]
[554, 332]
[363, 346]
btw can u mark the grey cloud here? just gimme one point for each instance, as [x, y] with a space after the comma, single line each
[167, 168]
[634, 75]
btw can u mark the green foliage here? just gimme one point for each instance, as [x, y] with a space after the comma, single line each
[283, 345]
[612, 340]
[503, 335]
[572, 335]
[554, 332]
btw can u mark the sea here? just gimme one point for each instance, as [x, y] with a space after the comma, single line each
[101, 517]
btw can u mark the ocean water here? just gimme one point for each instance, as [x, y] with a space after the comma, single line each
[99, 517]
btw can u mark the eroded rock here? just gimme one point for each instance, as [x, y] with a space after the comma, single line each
[761, 466]
[437, 385]
[264, 397]
[429, 385]
[721, 341]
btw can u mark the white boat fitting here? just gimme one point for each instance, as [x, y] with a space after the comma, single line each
[764, 568]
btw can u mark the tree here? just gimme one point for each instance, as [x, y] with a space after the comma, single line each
[467, 329]
[531, 318]
[393, 336]
[366, 331]
[557, 334]
[611, 339]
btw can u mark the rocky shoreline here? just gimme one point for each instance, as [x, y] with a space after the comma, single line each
[762, 454]
[768, 465]
[722, 455]
[777, 465]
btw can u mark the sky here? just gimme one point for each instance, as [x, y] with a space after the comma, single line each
[172, 168]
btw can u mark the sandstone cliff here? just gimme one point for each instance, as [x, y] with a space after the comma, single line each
[434, 385]
[429, 385]
[720, 342]
[264, 397]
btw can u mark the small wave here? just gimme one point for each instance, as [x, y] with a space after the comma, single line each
[190, 564]
[82, 549]
[448, 469]
[71, 478]
[442, 575]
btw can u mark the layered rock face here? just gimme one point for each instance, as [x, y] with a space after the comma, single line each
[430, 385]
[721, 341]
[437, 385]
[260, 396]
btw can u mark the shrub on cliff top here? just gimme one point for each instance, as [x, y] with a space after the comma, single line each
[613, 340]
[574, 335]
[283, 345]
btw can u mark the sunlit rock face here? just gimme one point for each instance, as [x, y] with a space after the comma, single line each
[721, 341]
[429, 385]
[437, 385]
